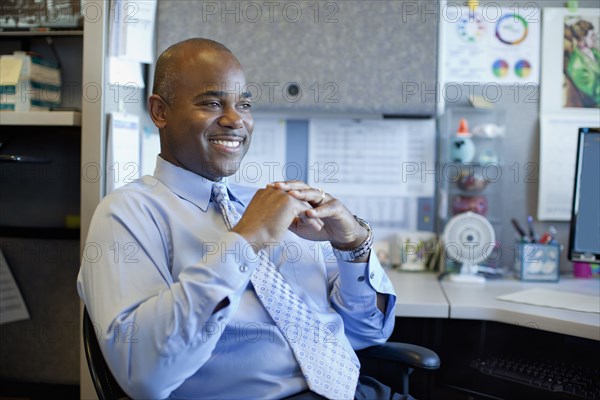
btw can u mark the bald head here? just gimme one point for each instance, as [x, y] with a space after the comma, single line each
[166, 74]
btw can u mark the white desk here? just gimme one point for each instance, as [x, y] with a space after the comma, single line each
[422, 295]
[479, 302]
[419, 294]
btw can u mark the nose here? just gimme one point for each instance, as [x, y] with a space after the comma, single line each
[231, 119]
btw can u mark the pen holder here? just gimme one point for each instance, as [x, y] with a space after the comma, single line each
[538, 262]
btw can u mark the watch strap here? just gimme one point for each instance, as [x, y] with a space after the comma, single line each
[361, 250]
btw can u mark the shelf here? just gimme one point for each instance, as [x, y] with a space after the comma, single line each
[16, 33]
[39, 233]
[35, 118]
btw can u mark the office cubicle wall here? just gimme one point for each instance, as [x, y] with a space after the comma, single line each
[365, 57]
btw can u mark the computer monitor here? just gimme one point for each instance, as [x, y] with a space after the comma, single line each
[584, 239]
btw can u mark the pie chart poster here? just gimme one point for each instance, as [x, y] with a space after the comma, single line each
[491, 44]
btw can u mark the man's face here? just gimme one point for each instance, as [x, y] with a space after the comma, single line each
[208, 124]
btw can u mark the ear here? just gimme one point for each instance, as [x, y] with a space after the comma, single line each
[158, 111]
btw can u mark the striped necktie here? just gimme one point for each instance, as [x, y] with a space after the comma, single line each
[327, 367]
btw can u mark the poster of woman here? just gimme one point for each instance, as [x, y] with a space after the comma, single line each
[581, 62]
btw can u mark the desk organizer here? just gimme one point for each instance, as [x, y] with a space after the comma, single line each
[538, 262]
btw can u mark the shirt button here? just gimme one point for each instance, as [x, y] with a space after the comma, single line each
[361, 278]
[243, 268]
[220, 318]
[372, 275]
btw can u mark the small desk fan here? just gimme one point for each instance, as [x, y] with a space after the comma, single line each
[469, 239]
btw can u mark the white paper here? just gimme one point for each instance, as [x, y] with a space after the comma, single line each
[555, 299]
[391, 158]
[265, 160]
[12, 305]
[386, 214]
[132, 30]
[558, 150]
[150, 150]
[123, 72]
[122, 150]
[377, 168]
[494, 44]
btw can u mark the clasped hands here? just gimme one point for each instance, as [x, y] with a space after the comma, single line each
[308, 212]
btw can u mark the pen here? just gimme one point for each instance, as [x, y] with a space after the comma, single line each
[549, 236]
[519, 229]
[532, 234]
[545, 238]
[553, 232]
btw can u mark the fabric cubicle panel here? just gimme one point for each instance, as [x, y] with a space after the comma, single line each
[367, 57]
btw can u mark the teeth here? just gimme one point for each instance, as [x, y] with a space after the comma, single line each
[226, 143]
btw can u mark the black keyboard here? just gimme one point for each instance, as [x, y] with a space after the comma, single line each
[551, 376]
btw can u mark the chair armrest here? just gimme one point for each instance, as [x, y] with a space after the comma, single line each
[408, 354]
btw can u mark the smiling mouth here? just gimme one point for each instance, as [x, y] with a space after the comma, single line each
[228, 143]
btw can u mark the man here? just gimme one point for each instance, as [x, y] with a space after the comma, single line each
[175, 282]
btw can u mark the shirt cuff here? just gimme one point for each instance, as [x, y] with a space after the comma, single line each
[360, 279]
[354, 279]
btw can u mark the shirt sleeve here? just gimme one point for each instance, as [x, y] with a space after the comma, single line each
[154, 332]
[354, 289]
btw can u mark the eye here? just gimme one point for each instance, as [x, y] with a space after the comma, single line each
[213, 104]
[245, 106]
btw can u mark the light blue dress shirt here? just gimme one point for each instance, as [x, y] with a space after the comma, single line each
[159, 258]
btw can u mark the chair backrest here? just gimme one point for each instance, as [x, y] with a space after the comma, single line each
[106, 386]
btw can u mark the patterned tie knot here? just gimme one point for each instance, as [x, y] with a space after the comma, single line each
[219, 193]
[222, 201]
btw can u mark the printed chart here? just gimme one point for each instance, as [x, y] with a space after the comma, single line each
[492, 44]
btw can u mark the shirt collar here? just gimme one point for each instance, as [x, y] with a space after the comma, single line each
[188, 185]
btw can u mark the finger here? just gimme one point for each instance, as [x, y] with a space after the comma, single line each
[290, 185]
[310, 219]
[314, 196]
[304, 217]
[325, 210]
[313, 223]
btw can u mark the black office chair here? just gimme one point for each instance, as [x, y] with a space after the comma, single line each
[106, 386]
[387, 361]
[405, 356]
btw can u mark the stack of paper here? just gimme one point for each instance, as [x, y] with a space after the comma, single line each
[12, 305]
[28, 83]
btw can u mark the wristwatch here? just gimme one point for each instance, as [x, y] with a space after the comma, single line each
[361, 250]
